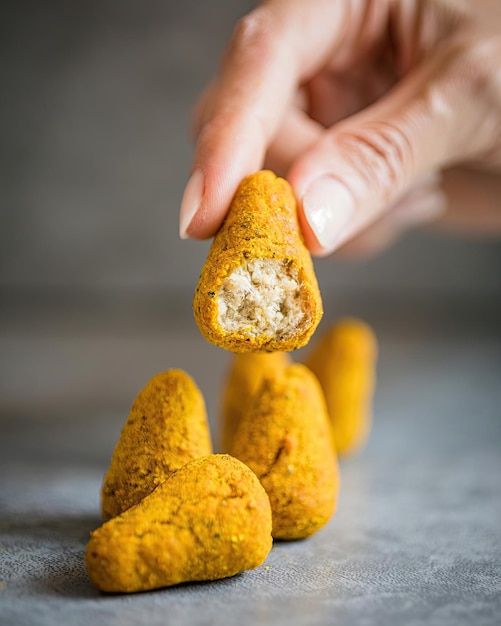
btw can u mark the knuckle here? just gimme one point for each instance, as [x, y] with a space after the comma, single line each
[472, 63]
[475, 72]
[481, 59]
[380, 152]
[253, 34]
[216, 124]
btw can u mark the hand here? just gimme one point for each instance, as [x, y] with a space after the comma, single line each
[361, 105]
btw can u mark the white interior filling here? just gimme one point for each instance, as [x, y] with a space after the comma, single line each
[261, 298]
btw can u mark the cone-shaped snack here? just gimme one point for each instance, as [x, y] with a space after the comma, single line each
[244, 378]
[258, 291]
[211, 519]
[285, 439]
[344, 361]
[167, 427]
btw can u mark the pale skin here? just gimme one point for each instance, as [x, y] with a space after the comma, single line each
[382, 114]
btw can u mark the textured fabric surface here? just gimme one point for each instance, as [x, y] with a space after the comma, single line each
[416, 539]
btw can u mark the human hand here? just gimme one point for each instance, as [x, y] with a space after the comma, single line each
[360, 105]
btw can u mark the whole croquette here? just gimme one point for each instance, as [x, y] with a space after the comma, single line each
[286, 440]
[244, 378]
[167, 427]
[344, 361]
[211, 519]
[258, 291]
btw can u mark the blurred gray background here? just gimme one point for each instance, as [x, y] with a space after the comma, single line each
[95, 104]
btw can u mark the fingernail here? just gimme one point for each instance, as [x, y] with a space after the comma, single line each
[328, 207]
[191, 201]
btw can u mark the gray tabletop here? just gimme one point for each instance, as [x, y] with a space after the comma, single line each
[417, 535]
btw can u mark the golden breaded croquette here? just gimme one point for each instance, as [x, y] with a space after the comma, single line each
[344, 361]
[244, 378]
[211, 519]
[258, 291]
[167, 427]
[285, 438]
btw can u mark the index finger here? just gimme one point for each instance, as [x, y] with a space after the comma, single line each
[273, 49]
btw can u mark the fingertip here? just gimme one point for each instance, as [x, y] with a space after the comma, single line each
[220, 186]
[190, 204]
[311, 242]
[213, 204]
[326, 210]
[201, 219]
[228, 149]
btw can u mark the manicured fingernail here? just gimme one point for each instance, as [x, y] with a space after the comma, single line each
[191, 201]
[328, 207]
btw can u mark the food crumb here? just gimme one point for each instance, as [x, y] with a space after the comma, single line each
[266, 567]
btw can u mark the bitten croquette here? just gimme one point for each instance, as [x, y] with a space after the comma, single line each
[258, 291]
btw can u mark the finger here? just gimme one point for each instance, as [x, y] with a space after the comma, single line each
[202, 108]
[272, 51]
[335, 96]
[359, 167]
[421, 207]
[325, 100]
[296, 134]
[474, 199]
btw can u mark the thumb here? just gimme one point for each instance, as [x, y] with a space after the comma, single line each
[358, 168]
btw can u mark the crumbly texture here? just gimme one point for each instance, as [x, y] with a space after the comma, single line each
[285, 438]
[258, 291]
[166, 427]
[245, 375]
[344, 361]
[211, 519]
[261, 297]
